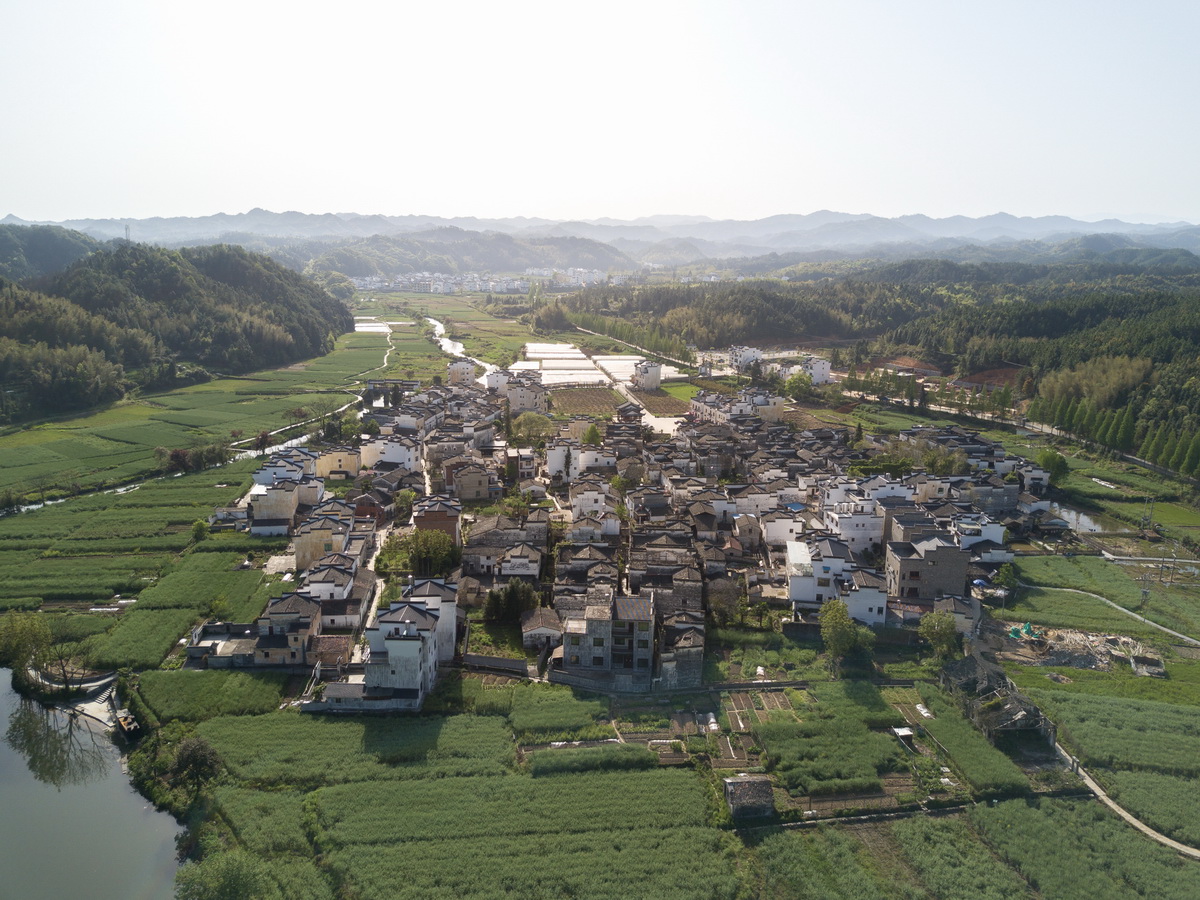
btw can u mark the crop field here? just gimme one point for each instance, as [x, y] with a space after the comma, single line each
[540, 714]
[600, 402]
[1180, 687]
[989, 772]
[1078, 850]
[196, 696]
[483, 336]
[1113, 732]
[602, 865]
[91, 548]
[117, 444]
[468, 808]
[1084, 573]
[824, 862]
[141, 638]
[287, 748]
[414, 355]
[199, 578]
[363, 797]
[661, 403]
[611, 757]
[953, 864]
[266, 822]
[828, 756]
[1139, 736]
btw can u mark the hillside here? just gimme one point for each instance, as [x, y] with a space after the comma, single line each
[31, 251]
[453, 250]
[129, 314]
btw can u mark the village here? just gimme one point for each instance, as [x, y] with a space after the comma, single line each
[624, 542]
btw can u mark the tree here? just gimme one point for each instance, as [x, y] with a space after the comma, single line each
[179, 460]
[1006, 578]
[531, 427]
[838, 631]
[939, 630]
[798, 386]
[505, 606]
[592, 436]
[196, 763]
[24, 640]
[263, 441]
[199, 531]
[1054, 463]
[724, 599]
[424, 552]
[230, 875]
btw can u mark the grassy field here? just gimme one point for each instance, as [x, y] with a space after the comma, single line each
[1176, 606]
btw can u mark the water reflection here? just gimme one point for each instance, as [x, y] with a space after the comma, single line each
[60, 749]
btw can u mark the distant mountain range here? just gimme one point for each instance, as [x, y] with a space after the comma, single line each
[661, 240]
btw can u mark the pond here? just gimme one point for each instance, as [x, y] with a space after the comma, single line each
[71, 824]
[1088, 523]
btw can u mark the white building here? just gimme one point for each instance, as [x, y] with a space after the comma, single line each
[647, 376]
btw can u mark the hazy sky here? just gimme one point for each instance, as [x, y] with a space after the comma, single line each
[583, 110]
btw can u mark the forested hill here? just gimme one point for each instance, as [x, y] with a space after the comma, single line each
[128, 314]
[220, 306]
[32, 250]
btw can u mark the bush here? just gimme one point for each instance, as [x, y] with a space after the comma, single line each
[611, 757]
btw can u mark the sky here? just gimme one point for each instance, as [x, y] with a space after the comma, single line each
[560, 110]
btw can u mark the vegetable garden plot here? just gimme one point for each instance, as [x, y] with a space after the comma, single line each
[986, 769]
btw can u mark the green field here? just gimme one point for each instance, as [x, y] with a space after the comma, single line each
[1175, 606]
[117, 444]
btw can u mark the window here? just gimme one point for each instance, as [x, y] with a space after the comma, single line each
[643, 645]
[597, 642]
[574, 640]
[643, 626]
[266, 654]
[643, 663]
[823, 582]
[597, 660]
[574, 659]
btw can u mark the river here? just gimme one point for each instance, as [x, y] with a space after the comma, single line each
[71, 825]
[455, 348]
